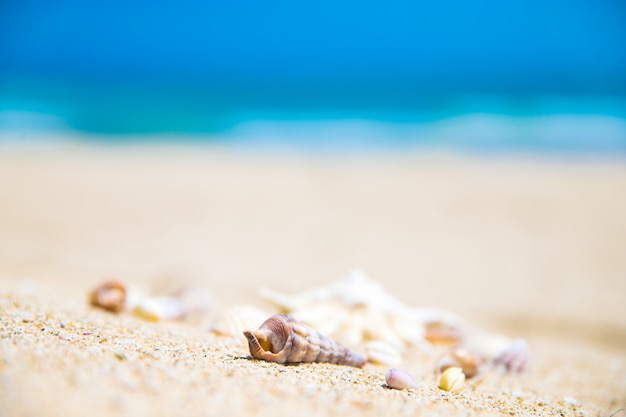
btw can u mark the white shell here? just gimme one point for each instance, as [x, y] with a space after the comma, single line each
[160, 308]
[382, 353]
[236, 319]
[487, 345]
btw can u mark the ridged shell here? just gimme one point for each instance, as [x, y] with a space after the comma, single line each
[283, 339]
[382, 353]
[236, 319]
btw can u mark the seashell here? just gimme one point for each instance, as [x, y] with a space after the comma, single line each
[515, 358]
[358, 325]
[382, 353]
[400, 379]
[452, 379]
[486, 345]
[285, 303]
[329, 319]
[114, 296]
[236, 319]
[442, 333]
[461, 358]
[283, 339]
[160, 308]
[353, 291]
[117, 296]
[408, 328]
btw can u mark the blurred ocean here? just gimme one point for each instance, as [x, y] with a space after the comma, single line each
[300, 120]
[485, 76]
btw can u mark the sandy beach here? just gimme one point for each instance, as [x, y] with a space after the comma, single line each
[533, 248]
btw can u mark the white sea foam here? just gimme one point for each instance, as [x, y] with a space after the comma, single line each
[479, 131]
[475, 132]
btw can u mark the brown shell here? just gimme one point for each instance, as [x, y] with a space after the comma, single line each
[283, 339]
[461, 358]
[110, 295]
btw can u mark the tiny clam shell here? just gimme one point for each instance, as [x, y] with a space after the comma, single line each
[382, 353]
[283, 339]
[487, 345]
[233, 321]
[400, 379]
[462, 358]
[160, 308]
[452, 379]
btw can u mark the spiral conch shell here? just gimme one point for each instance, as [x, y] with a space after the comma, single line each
[283, 339]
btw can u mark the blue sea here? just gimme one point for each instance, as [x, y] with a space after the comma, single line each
[314, 120]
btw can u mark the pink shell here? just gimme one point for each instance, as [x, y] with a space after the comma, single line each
[400, 379]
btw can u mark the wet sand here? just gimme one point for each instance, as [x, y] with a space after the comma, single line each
[528, 247]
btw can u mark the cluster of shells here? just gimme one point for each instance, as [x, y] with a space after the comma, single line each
[122, 297]
[357, 315]
[332, 323]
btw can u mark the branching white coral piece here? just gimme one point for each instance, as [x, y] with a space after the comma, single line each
[357, 310]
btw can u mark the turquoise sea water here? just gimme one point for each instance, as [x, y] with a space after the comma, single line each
[315, 119]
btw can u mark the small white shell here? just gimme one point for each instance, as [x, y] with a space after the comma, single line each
[408, 328]
[160, 308]
[487, 345]
[329, 319]
[236, 319]
[452, 379]
[400, 379]
[379, 352]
